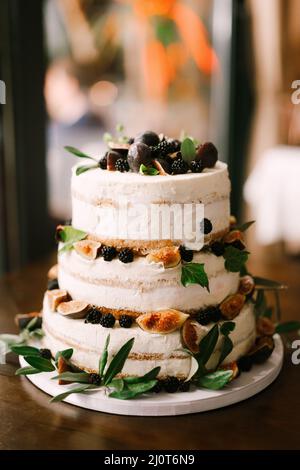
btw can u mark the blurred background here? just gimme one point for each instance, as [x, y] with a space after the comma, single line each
[222, 70]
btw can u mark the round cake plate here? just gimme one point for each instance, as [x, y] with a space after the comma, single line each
[168, 404]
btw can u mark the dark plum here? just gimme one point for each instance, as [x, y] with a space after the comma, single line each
[149, 138]
[139, 154]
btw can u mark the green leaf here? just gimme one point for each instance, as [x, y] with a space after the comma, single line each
[151, 375]
[84, 168]
[134, 390]
[9, 339]
[117, 384]
[188, 149]
[227, 347]
[27, 371]
[65, 353]
[287, 327]
[194, 273]
[145, 170]
[118, 362]
[107, 137]
[44, 365]
[261, 281]
[26, 350]
[245, 226]
[80, 377]
[215, 380]
[31, 325]
[80, 389]
[234, 259]
[207, 345]
[37, 333]
[69, 234]
[77, 152]
[227, 327]
[104, 356]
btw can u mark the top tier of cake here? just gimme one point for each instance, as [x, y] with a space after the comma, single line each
[98, 193]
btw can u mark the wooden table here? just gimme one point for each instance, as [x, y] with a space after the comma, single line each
[269, 420]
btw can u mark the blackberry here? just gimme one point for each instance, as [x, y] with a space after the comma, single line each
[179, 167]
[217, 248]
[107, 320]
[94, 379]
[52, 284]
[164, 148]
[186, 255]
[130, 140]
[244, 364]
[210, 314]
[158, 387]
[171, 384]
[205, 226]
[93, 316]
[108, 253]
[122, 165]
[196, 167]
[46, 353]
[125, 321]
[184, 386]
[203, 317]
[215, 314]
[126, 255]
[103, 162]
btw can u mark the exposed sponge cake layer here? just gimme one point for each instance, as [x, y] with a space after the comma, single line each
[149, 350]
[142, 286]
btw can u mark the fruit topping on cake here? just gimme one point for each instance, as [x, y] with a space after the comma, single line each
[232, 305]
[164, 321]
[88, 249]
[73, 309]
[169, 256]
[55, 297]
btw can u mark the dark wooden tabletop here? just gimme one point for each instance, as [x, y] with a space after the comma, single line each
[269, 420]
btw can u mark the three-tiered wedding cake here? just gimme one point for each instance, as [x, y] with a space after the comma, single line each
[166, 292]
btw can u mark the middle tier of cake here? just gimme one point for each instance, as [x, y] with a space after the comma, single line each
[142, 286]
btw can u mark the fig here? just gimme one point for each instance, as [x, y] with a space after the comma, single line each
[163, 321]
[232, 305]
[149, 138]
[55, 297]
[246, 286]
[262, 349]
[112, 157]
[52, 273]
[23, 319]
[162, 166]
[169, 256]
[232, 366]
[63, 366]
[139, 154]
[208, 154]
[88, 249]
[121, 148]
[265, 326]
[235, 238]
[73, 309]
[191, 335]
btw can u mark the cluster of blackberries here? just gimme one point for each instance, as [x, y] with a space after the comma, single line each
[171, 385]
[210, 314]
[107, 320]
[110, 252]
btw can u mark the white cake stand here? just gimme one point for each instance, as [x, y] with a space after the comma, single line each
[168, 404]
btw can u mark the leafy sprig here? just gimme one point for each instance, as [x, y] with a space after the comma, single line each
[194, 273]
[78, 153]
[68, 235]
[148, 171]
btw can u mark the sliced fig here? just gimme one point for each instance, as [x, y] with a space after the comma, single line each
[169, 256]
[121, 148]
[112, 157]
[235, 238]
[88, 249]
[262, 349]
[265, 326]
[55, 297]
[247, 285]
[191, 335]
[163, 321]
[73, 309]
[62, 366]
[232, 366]
[232, 305]
[52, 273]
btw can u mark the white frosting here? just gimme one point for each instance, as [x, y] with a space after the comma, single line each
[88, 342]
[99, 197]
[143, 286]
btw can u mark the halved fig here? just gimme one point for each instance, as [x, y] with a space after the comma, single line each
[247, 285]
[169, 256]
[232, 305]
[262, 349]
[88, 249]
[265, 326]
[52, 273]
[191, 335]
[119, 147]
[73, 309]
[163, 321]
[162, 166]
[55, 297]
[112, 157]
[235, 238]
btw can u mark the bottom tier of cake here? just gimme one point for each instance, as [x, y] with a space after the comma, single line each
[148, 351]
